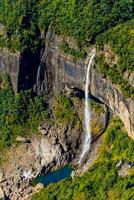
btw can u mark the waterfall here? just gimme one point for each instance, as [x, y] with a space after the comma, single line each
[41, 86]
[87, 136]
[38, 78]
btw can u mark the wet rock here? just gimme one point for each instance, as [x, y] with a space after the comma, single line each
[44, 153]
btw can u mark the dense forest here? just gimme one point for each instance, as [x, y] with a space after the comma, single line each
[88, 22]
[20, 114]
[24, 20]
[91, 23]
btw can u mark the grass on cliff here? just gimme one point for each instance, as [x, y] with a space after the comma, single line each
[20, 114]
[64, 111]
[101, 181]
[121, 41]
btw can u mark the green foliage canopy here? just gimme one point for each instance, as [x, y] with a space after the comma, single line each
[20, 114]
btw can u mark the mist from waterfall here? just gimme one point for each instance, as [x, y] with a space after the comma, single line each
[87, 136]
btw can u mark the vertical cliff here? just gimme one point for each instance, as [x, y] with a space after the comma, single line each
[10, 63]
[50, 75]
[108, 93]
[61, 70]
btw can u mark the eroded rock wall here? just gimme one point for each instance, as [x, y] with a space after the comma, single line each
[10, 63]
[62, 70]
[104, 90]
[56, 70]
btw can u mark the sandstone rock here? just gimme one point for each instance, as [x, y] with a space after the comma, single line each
[1, 176]
[2, 195]
[124, 169]
[38, 187]
[119, 164]
[106, 92]
[21, 139]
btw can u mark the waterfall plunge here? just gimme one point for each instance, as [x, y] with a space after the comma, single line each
[87, 137]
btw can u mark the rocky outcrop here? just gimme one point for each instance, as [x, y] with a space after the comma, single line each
[57, 70]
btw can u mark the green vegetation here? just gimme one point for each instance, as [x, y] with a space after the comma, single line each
[101, 181]
[20, 19]
[115, 75]
[116, 144]
[97, 107]
[97, 126]
[87, 22]
[64, 110]
[121, 40]
[20, 114]
[77, 54]
[102, 66]
[82, 20]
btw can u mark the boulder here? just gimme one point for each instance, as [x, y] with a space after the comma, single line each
[38, 187]
[22, 139]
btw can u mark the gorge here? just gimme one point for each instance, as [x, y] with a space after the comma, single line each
[66, 98]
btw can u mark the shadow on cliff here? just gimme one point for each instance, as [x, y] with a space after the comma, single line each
[28, 69]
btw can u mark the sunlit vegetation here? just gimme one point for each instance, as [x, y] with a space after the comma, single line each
[101, 181]
[108, 22]
[113, 72]
[121, 40]
[83, 20]
[94, 22]
[64, 111]
[20, 114]
[99, 108]
[20, 19]
[77, 54]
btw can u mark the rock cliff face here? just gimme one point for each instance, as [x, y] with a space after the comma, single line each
[10, 63]
[58, 145]
[21, 68]
[56, 70]
[104, 90]
[61, 70]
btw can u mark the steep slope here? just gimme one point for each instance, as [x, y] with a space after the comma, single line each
[45, 47]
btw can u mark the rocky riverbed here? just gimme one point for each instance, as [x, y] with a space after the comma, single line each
[53, 148]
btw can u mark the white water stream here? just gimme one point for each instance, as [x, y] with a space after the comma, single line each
[87, 136]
